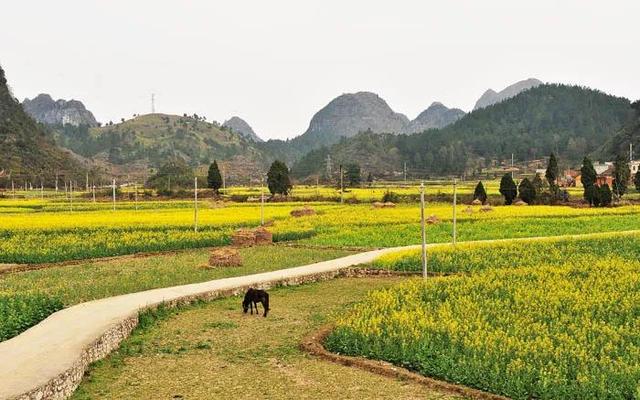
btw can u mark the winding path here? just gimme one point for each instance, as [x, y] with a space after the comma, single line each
[48, 360]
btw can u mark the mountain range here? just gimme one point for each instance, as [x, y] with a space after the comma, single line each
[528, 119]
[241, 126]
[491, 97]
[59, 112]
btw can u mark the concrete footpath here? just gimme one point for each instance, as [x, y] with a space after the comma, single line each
[48, 360]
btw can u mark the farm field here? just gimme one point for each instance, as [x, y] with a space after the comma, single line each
[574, 334]
[28, 297]
[41, 235]
[212, 350]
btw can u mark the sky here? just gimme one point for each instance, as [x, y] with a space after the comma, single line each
[275, 63]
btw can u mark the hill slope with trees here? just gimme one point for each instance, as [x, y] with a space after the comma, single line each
[26, 148]
[569, 120]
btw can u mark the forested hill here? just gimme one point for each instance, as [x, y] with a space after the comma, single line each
[26, 149]
[619, 143]
[569, 120]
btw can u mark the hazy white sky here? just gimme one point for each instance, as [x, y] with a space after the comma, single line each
[275, 63]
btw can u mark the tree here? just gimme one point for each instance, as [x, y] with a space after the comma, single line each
[479, 193]
[278, 178]
[214, 178]
[538, 185]
[588, 177]
[552, 173]
[370, 179]
[508, 189]
[620, 176]
[173, 174]
[604, 195]
[527, 191]
[353, 174]
[636, 181]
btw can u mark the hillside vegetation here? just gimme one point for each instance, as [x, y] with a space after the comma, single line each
[569, 120]
[26, 149]
[153, 138]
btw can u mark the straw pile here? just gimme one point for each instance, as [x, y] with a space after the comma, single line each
[224, 257]
[432, 220]
[388, 204]
[486, 208]
[304, 211]
[251, 237]
[263, 236]
[243, 237]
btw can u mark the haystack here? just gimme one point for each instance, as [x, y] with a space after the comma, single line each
[251, 237]
[378, 204]
[243, 237]
[263, 236]
[486, 208]
[432, 220]
[304, 211]
[224, 257]
[476, 202]
[520, 203]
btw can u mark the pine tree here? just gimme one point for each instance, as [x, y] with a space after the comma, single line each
[527, 191]
[508, 189]
[604, 195]
[588, 177]
[353, 174]
[620, 176]
[479, 193]
[538, 185]
[214, 179]
[278, 178]
[552, 173]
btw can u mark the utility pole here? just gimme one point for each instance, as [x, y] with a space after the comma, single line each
[424, 233]
[455, 201]
[70, 195]
[113, 193]
[224, 181]
[329, 166]
[317, 189]
[341, 187]
[195, 204]
[153, 103]
[405, 172]
[262, 201]
[87, 182]
[93, 190]
[511, 165]
[135, 195]
[56, 182]
[13, 189]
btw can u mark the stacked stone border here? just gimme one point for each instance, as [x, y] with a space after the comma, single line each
[314, 344]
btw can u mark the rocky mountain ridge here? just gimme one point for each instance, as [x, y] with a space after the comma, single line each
[44, 109]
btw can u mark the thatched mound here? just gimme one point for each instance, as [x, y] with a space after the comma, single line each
[378, 204]
[432, 220]
[476, 202]
[251, 237]
[486, 208]
[243, 237]
[304, 211]
[224, 257]
[520, 203]
[263, 236]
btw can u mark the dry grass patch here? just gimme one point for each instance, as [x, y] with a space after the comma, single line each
[212, 350]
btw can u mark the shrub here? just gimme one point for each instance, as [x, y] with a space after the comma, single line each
[21, 311]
